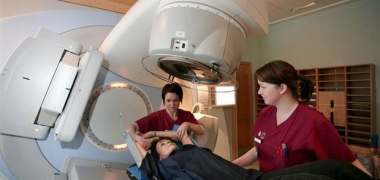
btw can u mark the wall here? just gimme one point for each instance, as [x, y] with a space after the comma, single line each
[346, 35]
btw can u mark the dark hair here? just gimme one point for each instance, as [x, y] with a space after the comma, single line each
[153, 150]
[172, 88]
[280, 72]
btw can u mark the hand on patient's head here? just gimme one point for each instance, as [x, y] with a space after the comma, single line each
[182, 130]
[141, 140]
[149, 134]
[151, 141]
[184, 136]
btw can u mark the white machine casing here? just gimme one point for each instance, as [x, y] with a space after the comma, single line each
[213, 32]
[45, 80]
[25, 80]
[211, 126]
[183, 46]
[59, 90]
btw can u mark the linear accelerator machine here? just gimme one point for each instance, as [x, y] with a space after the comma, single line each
[47, 85]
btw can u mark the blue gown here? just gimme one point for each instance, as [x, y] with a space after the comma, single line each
[196, 163]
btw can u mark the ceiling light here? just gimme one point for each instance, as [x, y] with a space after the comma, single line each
[305, 6]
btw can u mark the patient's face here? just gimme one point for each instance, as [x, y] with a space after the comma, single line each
[164, 147]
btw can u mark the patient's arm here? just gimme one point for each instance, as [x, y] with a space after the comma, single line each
[151, 137]
[133, 130]
[169, 134]
[142, 151]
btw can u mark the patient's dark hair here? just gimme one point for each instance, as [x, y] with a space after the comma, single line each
[153, 149]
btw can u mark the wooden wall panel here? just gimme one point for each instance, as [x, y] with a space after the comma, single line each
[120, 6]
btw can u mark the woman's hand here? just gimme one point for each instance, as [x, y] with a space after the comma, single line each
[150, 141]
[182, 130]
[140, 139]
[150, 134]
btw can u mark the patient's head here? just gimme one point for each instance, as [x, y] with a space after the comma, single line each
[163, 148]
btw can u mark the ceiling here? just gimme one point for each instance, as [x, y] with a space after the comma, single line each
[281, 10]
[278, 10]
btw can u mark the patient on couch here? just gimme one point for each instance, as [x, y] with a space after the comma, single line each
[167, 161]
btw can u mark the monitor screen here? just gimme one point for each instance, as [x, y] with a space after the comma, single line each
[217, 95]
[224, 95]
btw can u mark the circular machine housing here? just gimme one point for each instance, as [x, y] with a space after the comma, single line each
[196, 43]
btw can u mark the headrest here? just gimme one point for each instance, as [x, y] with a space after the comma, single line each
[211, 126]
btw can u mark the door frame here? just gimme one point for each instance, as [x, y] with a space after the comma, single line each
[235, 150]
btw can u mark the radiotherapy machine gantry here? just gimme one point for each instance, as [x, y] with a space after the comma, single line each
[51, 88]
